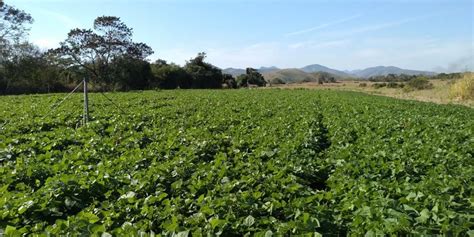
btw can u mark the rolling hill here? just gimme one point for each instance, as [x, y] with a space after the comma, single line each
[320, 68]
[239, 71]
[304, 74]
[289, 76]
[383, 71]
[298, 76]
[234, 71]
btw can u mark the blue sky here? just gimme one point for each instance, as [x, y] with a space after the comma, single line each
[415, 34]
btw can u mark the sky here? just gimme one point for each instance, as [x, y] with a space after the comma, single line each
[433, 35]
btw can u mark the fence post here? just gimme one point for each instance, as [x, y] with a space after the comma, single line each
[86, 103]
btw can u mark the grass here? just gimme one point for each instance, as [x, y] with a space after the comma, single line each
[441, 92]
[463, 89]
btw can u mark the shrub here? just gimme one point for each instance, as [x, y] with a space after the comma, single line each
[278, 81]
[392, 85]
[363, 84]
[379, 85]
[419, 83]
[463, 89]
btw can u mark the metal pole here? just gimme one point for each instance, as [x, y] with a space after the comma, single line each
[86, 103]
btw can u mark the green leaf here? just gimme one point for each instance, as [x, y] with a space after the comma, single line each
[91, 217]
[25, 207]
[249, 221]
[182, 234]
[424, 216]
[11, 231]
[306, 217]
[216, 222]
[128, 195]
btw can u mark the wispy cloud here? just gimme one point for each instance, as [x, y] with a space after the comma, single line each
[377, 27]
[322, 26]
[319, 45]
[61, 18]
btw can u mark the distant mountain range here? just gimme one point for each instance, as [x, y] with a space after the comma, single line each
[301, 74]
[238, 71]
[298, 76]
[320, 68]
[383, 71]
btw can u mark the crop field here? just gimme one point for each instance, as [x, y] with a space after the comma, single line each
[234, 163]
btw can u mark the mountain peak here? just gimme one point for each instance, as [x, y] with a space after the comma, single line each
[320, 68]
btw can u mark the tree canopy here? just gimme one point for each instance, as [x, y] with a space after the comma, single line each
[95, 49]
[13, 29]
[204, 75]
[251, 77]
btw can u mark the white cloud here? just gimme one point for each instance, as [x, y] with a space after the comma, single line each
[319, 45]
[344, 33]
[65, 20]
[46, 43]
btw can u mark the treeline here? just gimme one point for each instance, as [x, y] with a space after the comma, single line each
[406, 78]
[104, 54]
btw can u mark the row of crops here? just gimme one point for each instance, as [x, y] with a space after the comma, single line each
[234, 163]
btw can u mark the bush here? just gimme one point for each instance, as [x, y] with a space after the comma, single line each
[252, 77]
[393, 85]
[277, 81]
[228, 81]
[363, 84]
[420, 83]
[463, 89]
[379, 85]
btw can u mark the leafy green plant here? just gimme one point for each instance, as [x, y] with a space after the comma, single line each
[234, 163]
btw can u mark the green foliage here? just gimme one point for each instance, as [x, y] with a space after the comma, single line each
[391, 84]
[242, 80]
[420, 83]
[13, 28]
[95, 50]
[235, 163]
[395, 85]
[323, 77]
[277, 81]
[229, 81]
[394, 78]
[251, 77]
[204, 75]
[379, 85]
[29, 71]
[448, 76]
[130, 74]
[406, 78]
[169, 76]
